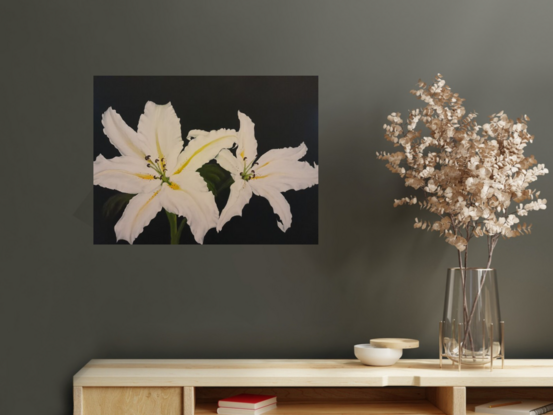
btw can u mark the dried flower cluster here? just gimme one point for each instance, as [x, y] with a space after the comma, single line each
[475, 178]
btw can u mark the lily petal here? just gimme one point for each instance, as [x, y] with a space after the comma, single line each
[287, 153]
[285, 174]
[123, 137]
[240, 195]
[195, 133]
[125, 174]
[204, 148]
[227, 161]
[247, 144]
[160, 128]
[189, 196]
[279, 204]
[137, 215]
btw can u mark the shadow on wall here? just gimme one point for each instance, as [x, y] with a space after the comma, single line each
[356, 199]
[371, 257]
[84, 212]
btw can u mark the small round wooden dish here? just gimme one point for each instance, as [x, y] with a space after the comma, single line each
[395, 343]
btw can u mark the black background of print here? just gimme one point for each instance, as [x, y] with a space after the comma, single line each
[284, 111]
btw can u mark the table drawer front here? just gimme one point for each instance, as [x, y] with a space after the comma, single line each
[132, 401]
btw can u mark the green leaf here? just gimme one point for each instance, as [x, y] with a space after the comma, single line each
[216, 178]
[116, 204]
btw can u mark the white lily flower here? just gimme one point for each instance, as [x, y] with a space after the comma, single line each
[154, 166]
[274, 172]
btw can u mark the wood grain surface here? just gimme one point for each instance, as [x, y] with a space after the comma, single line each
[482, 395]
[302, 395]
[77, 400]
[132, 401]
[302, 373]
[331, 408]
[450, 400]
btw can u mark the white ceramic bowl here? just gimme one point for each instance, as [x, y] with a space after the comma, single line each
[376, 356]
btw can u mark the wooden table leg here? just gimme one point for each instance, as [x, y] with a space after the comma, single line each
[189, 400]
[451, 400]
[77, 400]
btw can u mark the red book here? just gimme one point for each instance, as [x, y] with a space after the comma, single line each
[247, 401]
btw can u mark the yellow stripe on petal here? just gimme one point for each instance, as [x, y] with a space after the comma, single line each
[174, 186]
[144, 206]
[145, 176]
[199, 151]
[158, 146]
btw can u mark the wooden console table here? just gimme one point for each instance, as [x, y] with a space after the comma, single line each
[322, 387]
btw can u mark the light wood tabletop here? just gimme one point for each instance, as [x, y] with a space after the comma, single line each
[306, 373]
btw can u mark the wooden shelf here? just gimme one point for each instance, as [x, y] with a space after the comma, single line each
[320, 387]
[393, 400]
[479, 396]
[333, 408]
[298, 373]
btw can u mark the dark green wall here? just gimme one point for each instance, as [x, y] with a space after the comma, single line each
[64, 301]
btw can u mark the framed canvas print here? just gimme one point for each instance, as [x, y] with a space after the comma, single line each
[205, 160]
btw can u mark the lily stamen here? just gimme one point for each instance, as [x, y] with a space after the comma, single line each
[160, 167]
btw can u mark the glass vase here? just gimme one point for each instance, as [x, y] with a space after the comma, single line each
[471, 332]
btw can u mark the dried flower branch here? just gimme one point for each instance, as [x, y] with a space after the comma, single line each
[475, 178]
